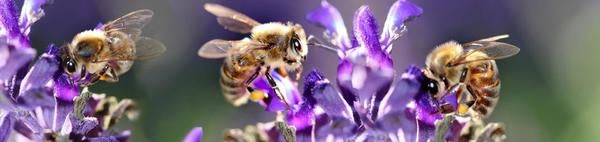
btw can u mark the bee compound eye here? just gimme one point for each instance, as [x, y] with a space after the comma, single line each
[431, 86]
[70, 65]
[295, 43]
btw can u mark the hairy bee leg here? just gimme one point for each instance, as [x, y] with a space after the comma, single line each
[298, 73]
[253, 77]
[255, 95]
[463, 103]
[274, 86]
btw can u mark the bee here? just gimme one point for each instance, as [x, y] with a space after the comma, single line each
[468, 70]
[270, 46]
[109, 51]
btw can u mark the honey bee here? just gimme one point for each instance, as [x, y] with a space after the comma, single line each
[467, 69]
[107, 52]
[271, 46]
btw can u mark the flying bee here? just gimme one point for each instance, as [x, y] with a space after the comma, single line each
[270, 46]
[107, 52]
[467, 69]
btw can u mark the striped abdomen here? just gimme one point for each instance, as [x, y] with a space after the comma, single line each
[485, 85]
[233, 79]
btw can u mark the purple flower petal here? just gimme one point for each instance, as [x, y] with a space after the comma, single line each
[9, 21]
[398, 121]
[455, 128]
[27, 125]
[401, 12]
[103, 139]
[329, 99]
[361, 78]
[330, 18]
[30, 13]
[404, 90]
[64, 88]
[425, 132]
[195, 135]
[285, 85]
[83, 126]
[302, 118]
[338, 127]
[12, 59]
[123, 136]
[365, 29]
[42, 71]
[310, 81]
[36, 97]
[6, 126]
[61, 112]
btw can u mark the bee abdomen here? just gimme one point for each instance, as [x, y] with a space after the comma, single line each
[233, 88]
[487, 97]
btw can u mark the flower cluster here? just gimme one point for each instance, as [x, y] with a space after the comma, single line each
[372, 102]
[38, 101]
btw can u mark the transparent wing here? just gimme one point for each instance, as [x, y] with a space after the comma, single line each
[147, 48]
[494, 50]
[219, 48]
[231, 19]
[131, 23]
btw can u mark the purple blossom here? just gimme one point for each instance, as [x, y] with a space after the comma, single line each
[37, 101]
[195, 135]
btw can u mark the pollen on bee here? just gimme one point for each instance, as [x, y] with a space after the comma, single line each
[257, 95]
[462, 109]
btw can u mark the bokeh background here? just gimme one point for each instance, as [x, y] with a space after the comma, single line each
[550, 91]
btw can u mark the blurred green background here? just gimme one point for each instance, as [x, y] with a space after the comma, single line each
[550, 91]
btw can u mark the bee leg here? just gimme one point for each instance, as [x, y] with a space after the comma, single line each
[255, 95]
[298, 73]
[274, 86]
[465, 103]
[108, 74]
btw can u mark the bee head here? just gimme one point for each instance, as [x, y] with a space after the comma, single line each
[297, 45]
[437, 61]
[434, 85]
[69, 63]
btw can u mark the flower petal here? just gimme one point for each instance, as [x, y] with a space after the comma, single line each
[362, 77]
[42, 71]
[195, 135]
[6, 125]
[329, 99]
[12, 59]
[338, 127]
[302, 118]
[10, 23]
[285, 85]
[82, 126]
[30, 13]
[401, 12]
[103, 139]
[61, 112]
[365, 29]
[403, 92]
[330, 18]
[64, 88]
[36, 97]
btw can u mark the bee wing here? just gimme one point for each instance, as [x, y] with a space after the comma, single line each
[147, 48]
[219, 48]
[131, 23]
[231, 19]
[494, 50]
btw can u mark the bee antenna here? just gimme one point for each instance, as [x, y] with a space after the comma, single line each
[314, 41]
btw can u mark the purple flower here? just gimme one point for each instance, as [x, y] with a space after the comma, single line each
[287, 87]
[195, 135]
[37, 101]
